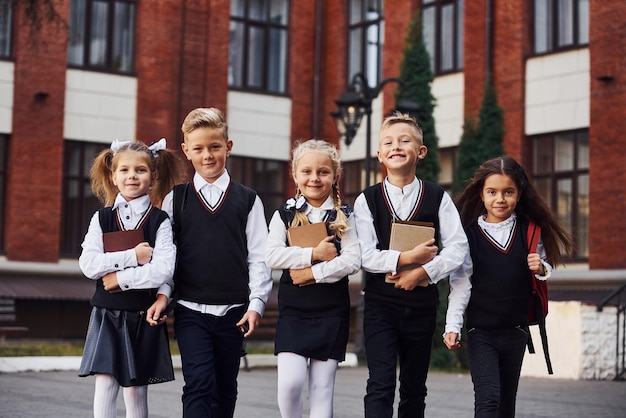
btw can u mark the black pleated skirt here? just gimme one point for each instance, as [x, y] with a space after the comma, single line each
[316, 338]
[123, 344]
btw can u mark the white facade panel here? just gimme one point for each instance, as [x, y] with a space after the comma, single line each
[7, 70]
[449, 92]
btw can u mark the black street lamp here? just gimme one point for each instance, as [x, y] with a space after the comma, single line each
[356, 102]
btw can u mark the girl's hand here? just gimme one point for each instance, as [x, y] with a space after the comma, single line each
[325, 250]
[424, 252]
[143, 251]
[302, 277]
[451, 340]
[155, 313]
[110, 283]
[535, 265]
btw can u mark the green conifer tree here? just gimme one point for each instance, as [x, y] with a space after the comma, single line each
[417, 74]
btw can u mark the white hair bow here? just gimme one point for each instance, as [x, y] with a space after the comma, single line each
[116, 145]
[157, 146]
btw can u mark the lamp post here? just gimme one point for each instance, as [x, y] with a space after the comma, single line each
[357, 102]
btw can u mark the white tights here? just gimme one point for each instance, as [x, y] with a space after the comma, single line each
[291, 376]
[105, 398]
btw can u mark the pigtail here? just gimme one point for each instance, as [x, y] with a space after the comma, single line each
[340, 225]
[169, 171]
[299, 218]
[101, 174]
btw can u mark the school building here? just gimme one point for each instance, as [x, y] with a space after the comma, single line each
[77, 74]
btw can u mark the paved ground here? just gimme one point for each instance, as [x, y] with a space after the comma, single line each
[63, 394]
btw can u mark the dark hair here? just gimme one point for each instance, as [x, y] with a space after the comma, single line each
[531, 205]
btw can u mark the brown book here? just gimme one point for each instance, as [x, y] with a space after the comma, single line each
[405, 235]
[307, 236]
[122, 240]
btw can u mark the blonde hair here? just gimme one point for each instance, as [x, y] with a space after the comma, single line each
[398, 117]
[205, 117]
[340, 225]
[167, 170]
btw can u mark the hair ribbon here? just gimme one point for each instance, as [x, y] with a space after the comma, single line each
[155, 147]
[116, 145]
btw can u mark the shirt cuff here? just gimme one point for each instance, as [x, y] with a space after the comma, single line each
[548, 269]
[257, 305]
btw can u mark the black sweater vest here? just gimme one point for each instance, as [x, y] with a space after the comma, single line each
[501, 285]
[314, 301]
[130, 300]
[427, 210]
[212, 252]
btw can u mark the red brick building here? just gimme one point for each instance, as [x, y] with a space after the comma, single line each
[90, 72]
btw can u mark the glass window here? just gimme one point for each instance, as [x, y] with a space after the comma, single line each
[79, 203]
[5, 28]
[258, 45]
[102, 35]
[366, 39]
[266, 177]
[4, 139]
[561, 174]
[442, 26]
[560, 24]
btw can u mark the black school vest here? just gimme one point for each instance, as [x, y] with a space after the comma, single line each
[212, 251]
[426, 210]
[317, 300]
[501, 287]
[130, 300]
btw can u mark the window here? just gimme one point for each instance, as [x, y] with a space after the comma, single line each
[561, 173]
[5, 28]
[79, 203]
[266, 177]
[560, 24]
[102, 35]
[258, 45]
[354, 176]
[3, 181]
[442, 22]
[366, 39]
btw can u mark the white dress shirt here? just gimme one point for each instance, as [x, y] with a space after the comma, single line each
[278, 255]
[453, 240]
[158, 273]
[260, 278]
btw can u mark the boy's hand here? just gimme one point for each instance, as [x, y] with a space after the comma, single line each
[110, 283]
[424, 252]
[155, 313]
[409, 279]
[325, 250]
[535, 265]
[248, 323]
[302, 277]
[451, 340]
[143, 251]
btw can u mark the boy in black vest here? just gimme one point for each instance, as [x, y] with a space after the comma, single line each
[401, 294]
[221, 280]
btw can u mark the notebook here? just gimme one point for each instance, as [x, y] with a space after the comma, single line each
[122, 240]
[307, 236]
[405, 235]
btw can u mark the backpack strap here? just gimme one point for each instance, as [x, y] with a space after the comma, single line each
[532, 236]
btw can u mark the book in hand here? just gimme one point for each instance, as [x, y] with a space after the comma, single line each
[307, 236]
[122, 240]
[405, 235]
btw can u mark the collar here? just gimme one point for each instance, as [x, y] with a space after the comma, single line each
[327, 205]
[138, 205]
[507, 223]
[409, 188]
[221, 183]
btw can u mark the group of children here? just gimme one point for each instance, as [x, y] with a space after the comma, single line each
[209, 249]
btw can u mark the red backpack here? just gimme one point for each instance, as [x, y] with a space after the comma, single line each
[539, 298]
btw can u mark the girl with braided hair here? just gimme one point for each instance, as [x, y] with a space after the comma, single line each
[313, 298]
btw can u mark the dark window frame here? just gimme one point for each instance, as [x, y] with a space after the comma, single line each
[6, 44]
[76, 212]
[552, 31]
[361, 25]
[4, 158]
[457, 49]
[109, 65]
[547, 171]
[268, 29]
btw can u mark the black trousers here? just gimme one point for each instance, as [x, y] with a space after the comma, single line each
[396, 334]
[210, 352]
[495, 361]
